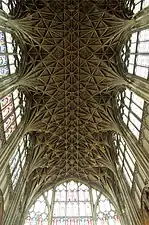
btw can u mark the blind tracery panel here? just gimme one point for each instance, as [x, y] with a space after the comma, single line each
[131, 110]
[135, 54]
[10, 54]
[12, 108]
[17, 161]
[70, 204]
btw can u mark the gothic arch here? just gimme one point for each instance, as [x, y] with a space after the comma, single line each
[89, 190]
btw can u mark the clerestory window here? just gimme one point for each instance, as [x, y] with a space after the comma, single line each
[18, 159]
[10, 55]
[12, 108]
[135, 54]
[126, 160]
[131, 110]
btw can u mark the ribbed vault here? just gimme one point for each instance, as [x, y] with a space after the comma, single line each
[71, 75]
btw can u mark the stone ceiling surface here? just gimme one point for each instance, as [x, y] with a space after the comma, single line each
[73, 60]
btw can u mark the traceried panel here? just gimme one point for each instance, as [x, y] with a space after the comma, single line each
[17, 160]
[135, 54]
[126, 160]
[70, 204]
[10, 55]
[38, 214]
[131, 110]
[12, 107]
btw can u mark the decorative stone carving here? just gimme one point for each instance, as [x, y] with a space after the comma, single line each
[56, 5]
[85, 6]
[72, 5]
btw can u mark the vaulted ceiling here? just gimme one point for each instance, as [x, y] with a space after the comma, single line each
[71, 68]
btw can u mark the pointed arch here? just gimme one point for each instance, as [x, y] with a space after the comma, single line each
[72, 203]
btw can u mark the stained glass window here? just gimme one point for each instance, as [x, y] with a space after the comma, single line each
[70, 204]
[131, 110]
[10, 54]
[135, 54]
[12, 108]
[17, 160]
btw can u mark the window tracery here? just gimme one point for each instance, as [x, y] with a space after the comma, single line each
[135, 54]
[12, 108]
[17, 160]
[72, 205]
[10, 54]
[126, 160]
[131, 110]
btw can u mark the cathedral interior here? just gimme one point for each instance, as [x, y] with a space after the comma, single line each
[74, 112]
